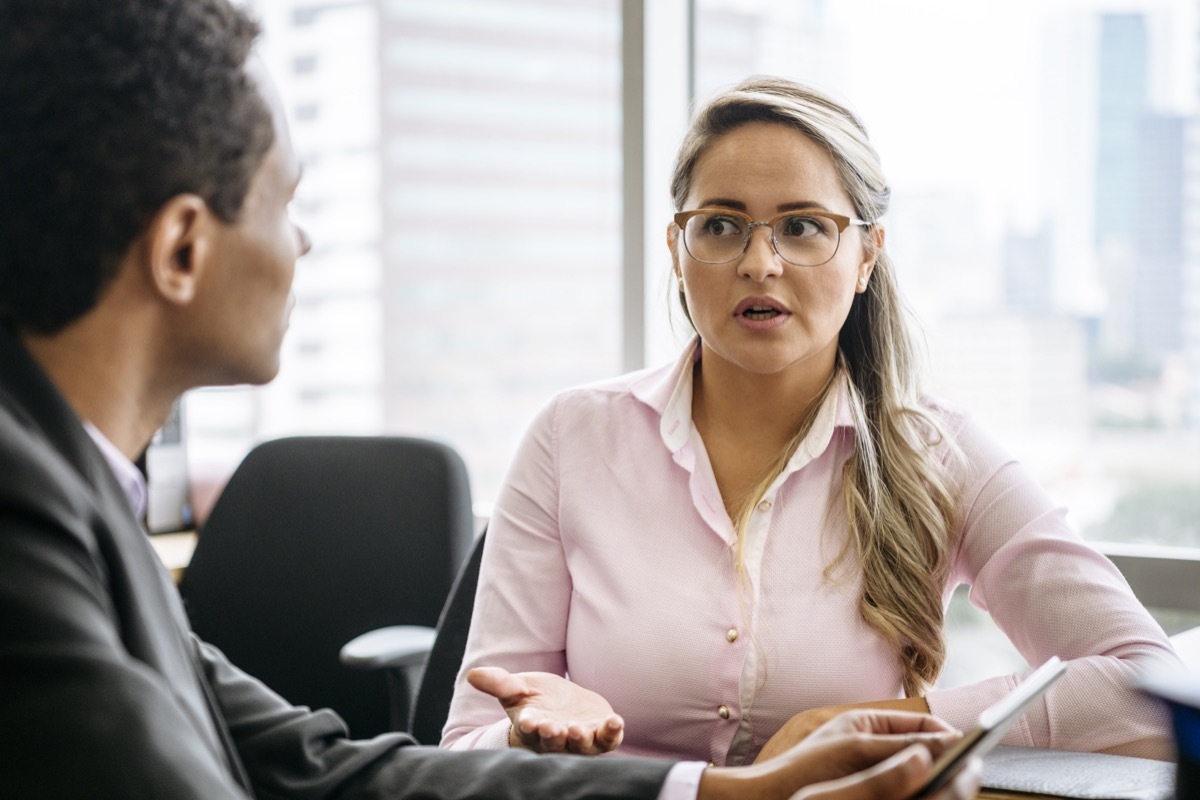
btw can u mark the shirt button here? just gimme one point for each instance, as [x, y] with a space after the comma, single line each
[765, 505]
[731, 635]
[723, 712]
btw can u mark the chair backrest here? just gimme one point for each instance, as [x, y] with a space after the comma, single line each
[315, 540]
[432, 704]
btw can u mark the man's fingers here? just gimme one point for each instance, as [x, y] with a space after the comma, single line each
[878, 720]
[937, 743]
[898, 776]
[836, 758]
[914, 722]
[965, 784]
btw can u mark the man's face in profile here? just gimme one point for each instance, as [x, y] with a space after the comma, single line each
[244, 305]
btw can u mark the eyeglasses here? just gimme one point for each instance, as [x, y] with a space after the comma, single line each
[805, 238]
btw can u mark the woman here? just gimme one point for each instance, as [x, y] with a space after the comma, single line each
[730, 548]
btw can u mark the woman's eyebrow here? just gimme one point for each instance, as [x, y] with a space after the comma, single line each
[724, 203]
[802, 204]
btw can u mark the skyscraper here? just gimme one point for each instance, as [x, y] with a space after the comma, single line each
[1028, 270]
[500, 195]
[1139, 199]
[1158, 270]
[332, 360]
[1190, 289]
[1122, 101]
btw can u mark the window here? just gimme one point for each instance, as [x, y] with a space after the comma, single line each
[1041, 220]
[304, 15]
[304, 64]
[1045, 224]
[463, 189]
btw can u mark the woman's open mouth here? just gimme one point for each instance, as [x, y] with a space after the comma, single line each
[761, 312]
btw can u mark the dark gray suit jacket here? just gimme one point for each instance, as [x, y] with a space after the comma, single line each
[106, 693]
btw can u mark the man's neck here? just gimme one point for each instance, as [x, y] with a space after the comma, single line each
[106, 373]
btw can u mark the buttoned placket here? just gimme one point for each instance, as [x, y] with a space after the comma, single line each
[683, 440]
[818, 439]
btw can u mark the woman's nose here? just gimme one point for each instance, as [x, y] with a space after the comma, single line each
[760, 261]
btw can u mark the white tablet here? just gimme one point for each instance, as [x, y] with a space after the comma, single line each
[993, 722]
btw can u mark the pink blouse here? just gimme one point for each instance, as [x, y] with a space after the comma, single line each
[609, 560]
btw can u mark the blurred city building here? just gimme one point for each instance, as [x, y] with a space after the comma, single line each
[462, 187]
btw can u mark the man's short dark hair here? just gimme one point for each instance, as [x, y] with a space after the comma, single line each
[108, 109]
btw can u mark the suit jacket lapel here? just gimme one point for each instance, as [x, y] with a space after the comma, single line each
[157, 631]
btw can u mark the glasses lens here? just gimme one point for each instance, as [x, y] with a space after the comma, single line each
[715, 238]
[806, 240]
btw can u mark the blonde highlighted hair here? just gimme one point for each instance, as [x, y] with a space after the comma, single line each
[895, 489]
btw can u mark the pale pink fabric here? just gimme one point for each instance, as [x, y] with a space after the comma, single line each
[608, 559]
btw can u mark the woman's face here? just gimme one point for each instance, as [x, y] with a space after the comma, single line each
[760, 313]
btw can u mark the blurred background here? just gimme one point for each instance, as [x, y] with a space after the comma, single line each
[486, 187]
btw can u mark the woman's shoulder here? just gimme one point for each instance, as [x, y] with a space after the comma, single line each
[964, 444]
[613, 391]
[951, 417]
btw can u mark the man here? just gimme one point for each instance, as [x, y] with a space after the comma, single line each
[146, 248]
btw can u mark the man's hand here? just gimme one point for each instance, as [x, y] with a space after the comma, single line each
[859, 755]
[900, 776]
[801, 725]
[549, 713]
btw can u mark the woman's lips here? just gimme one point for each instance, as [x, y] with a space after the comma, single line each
[761, 313]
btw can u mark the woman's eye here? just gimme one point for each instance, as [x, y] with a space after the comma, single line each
[722, 226]
[802, 226]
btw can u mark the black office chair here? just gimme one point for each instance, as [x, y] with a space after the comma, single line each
[391, 649]
[316, 540]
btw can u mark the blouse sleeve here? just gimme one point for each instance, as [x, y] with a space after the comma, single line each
[521, 604]
[1051, 594]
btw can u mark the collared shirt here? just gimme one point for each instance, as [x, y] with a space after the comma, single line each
[131, 479]
[609, 559]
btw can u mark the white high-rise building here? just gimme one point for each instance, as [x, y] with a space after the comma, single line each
[1191, 267]
[332, 362]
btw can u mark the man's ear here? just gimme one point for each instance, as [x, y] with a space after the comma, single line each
[178, 245]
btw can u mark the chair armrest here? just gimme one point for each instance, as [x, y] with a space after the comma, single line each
[395, 646]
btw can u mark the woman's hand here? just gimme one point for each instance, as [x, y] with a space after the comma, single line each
[859, 755]
[801, 725]
[550, 714]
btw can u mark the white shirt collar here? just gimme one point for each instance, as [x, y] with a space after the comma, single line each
[671, 394]
[132, 482]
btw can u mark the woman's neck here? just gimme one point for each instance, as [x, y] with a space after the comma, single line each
[758, 409]
[747, 421]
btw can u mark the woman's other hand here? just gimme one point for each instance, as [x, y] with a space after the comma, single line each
[549, 713]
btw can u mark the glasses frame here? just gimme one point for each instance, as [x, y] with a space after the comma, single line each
[840, 220]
